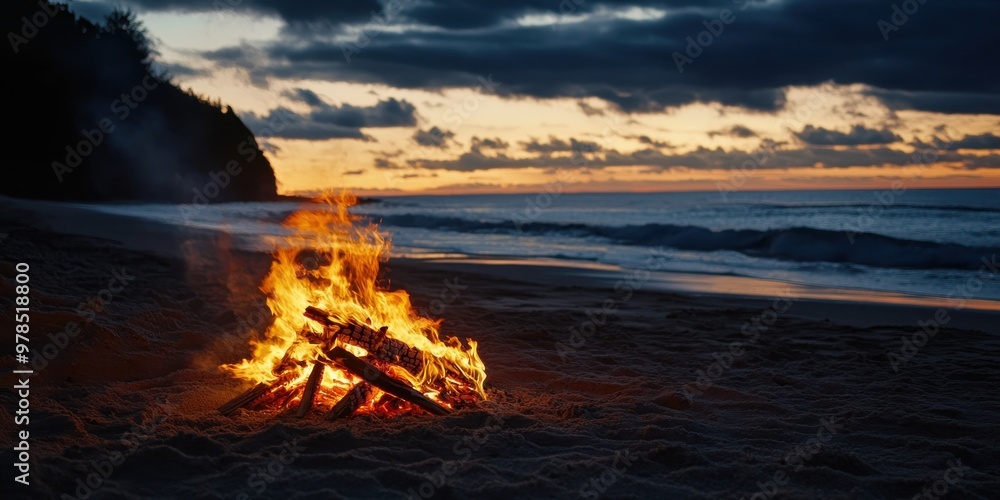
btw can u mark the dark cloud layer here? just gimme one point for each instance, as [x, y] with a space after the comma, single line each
[925, 65]
[944, 102]
[326, 121]
[645, 139]
[495, 143]
[739, 131]
[769, 155]
[331, 12]
[555, 145]
[982, 141]
[434, 137]
[857, 136]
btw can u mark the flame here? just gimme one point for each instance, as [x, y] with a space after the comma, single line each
[332, 261]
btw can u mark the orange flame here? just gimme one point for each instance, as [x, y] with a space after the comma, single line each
[332, 261]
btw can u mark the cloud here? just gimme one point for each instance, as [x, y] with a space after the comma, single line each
[589, 110]
[858, 135]
[735, 131]
[973, 103]
[774, 156]
[447, 14]
[982, 141]
[488, 143]
[628, 61]
[286, 124]
[391, 112]
[293, 11]
[435, 137]
[385, 163]
[326, 121]
[354, 172]
[559, 146]
[303, 95]
[645, 139]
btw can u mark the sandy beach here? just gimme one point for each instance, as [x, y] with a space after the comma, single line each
[595, 390]
[591, 249]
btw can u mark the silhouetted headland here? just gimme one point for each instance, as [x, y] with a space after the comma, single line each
[95, 121]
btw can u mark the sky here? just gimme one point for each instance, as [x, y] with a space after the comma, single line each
[498, 96]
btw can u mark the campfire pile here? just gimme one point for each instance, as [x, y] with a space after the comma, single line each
[370, 369]
[318, 353]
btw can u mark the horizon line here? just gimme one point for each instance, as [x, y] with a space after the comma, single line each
[373, 194]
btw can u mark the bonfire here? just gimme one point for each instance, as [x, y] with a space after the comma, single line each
[339, 341]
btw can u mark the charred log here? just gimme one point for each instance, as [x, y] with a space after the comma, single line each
[360, 394]
[370, 373]
[309, 394]
[244, 399]
[376, 342]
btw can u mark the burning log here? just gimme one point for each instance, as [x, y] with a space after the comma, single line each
[360, 394]
[244, 399]
[285, 395]
[258, 393]
[315, 377]
[370, 373]
[380, 348]
[378, 345]
[332, 258]
[260, 390]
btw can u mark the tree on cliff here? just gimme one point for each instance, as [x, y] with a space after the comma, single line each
[89, 118]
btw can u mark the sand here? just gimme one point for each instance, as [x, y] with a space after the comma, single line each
[665, 396]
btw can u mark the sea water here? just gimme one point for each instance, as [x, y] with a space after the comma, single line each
[937, 243]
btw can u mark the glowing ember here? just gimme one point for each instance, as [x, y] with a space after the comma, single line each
[330, 265]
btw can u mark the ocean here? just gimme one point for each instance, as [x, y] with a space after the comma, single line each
[920, 243]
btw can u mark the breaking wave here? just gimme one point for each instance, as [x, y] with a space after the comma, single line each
[800, 244]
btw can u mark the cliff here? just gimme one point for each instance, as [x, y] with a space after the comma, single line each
[89, 119]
